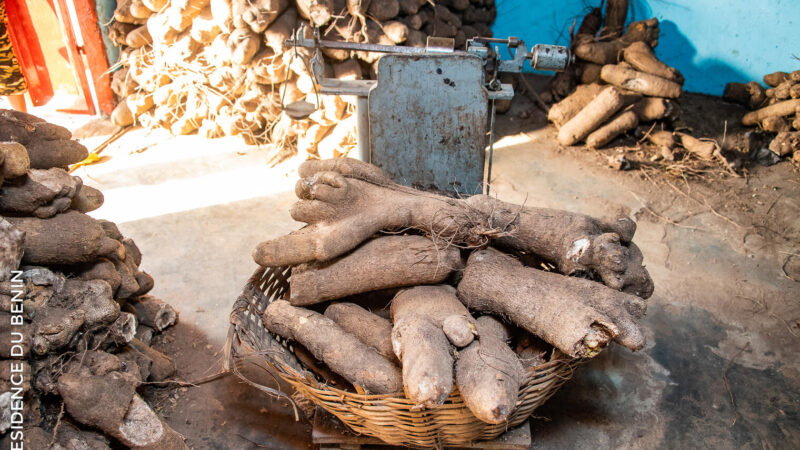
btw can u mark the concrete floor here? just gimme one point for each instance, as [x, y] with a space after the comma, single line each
[722, 313]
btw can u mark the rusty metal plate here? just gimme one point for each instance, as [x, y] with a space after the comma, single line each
[427, 121]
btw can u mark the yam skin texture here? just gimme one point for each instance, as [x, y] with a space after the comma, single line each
[257, 14]
[619, 124]
[87, 199]
[48, 145]
[649, 109]
[12, 245]
[317, 11]
[15, 160]
[489, 373]
[380, 263]
[561, 112]
[161, 367]
[346, 201]
[775, 78]
[420, 343]
[786, 143]
[614, 21]
[42, 193]
[780, 109]
[67, 238]
[752, 95]
[641, 57]
[369, 328]
[154, 312]
[354, 360]
[576, 316]
[609, 52]
[600, 109]
[641, 82]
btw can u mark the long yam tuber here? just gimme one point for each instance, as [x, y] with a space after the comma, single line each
[357, 362]
[579, 317]
[600, 109]
[369, 328]
[641, 82]
[381, 263]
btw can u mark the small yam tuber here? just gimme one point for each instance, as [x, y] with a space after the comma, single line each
[488, 373]
[701, 149]
[357, 362]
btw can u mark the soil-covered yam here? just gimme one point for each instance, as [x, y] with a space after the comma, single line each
[600, 109]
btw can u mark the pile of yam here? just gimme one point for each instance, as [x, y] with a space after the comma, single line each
[775, 109]
[222, 68]
[399, 291]
[76, 322]
[617, 84]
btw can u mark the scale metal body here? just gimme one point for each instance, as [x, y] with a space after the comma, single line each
[423, 121]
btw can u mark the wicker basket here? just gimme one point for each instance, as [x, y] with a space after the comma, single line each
[386, 417]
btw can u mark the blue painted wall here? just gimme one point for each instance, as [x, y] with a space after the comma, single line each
[712, 42]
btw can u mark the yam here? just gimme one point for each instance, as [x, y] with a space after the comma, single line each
[600, 109]
[67, 238]
[775, 124]
[561, 112]
[42, 193]
[319, 12]
[243, 45]
[421, 344]
[396, 31]
[701, 149]
[489, 374]
[780, 109]
[775, 78]
[577, 316]
[15, 160]
[367, 327]
[155, 5]
[786, 143]
[357, 362]
[205, 27]
[280, 30]
[122, 115]
[371, 202]
[138, 37]
[383, 10]
[643, 83]
[751, 95]
[381, 263]
[256, 14]
[649, 109]
[12, 245]
[619, 124]
[616, 13]
[641, 57]
[161, 368]
[139, 102]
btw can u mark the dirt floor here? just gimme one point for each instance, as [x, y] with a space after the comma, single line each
[722, 364]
